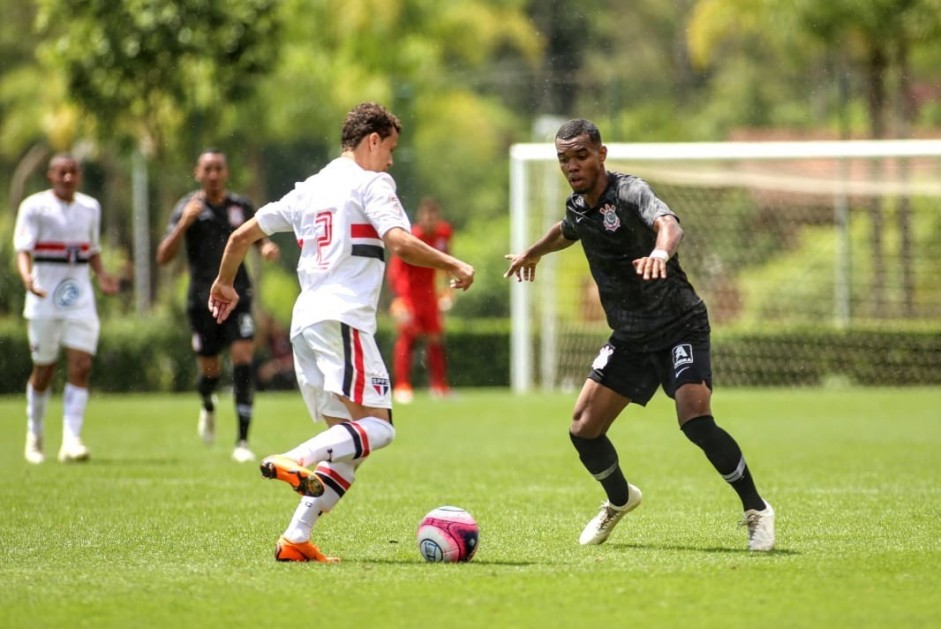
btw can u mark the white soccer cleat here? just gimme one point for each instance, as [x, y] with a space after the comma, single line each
[760, 528]
[73, 451]
[206, 427]
[34, 451]
[242, 454]
[600, 527]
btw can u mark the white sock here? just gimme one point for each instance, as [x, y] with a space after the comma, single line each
[344, 442]
[36, 409]
[75, 399]
[337, 478]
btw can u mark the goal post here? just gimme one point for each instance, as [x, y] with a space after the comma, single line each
[816, 235]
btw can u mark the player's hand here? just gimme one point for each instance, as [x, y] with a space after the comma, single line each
[651, 268]
[522, 266]
[192, 209]
[222, 301]
[35, 289]
[108, 284]
[269, 251]
[463, 277]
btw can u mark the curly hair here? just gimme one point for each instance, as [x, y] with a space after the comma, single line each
[577, 127]
[368, 118]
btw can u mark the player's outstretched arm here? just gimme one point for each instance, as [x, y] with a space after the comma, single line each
[222, 296]
[414, 251]
[654, 265]
[523, 265]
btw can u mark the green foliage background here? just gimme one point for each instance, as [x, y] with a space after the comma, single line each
[269, 82]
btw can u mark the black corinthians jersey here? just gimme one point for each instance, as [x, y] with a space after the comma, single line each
[613, 234]
[205, 241]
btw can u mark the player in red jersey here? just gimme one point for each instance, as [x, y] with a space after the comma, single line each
[418, 305]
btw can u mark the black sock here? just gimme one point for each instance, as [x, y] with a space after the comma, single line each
[725, 455]
[601, 460]
[206, 386]
[244, 397]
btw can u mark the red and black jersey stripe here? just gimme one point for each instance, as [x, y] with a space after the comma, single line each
[62, 252]
[366, 242]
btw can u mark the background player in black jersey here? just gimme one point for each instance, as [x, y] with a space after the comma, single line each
[204, 219]
[660, 328]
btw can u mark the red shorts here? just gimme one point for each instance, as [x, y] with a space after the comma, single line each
[425, 319]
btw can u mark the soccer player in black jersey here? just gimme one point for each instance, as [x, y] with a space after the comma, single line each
[660, 328]
[204, 219]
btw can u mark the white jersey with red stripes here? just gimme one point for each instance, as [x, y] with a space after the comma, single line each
[339, 217]
[61, 237]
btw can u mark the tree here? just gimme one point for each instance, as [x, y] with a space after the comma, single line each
[876, 37]
[139, 70]
[140, 67]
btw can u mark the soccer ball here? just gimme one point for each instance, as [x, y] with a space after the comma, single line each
[448, 534]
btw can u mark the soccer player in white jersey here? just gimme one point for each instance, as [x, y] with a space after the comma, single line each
[56, 241]
[347, 220]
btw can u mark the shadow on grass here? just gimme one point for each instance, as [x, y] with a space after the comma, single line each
[130, 462]
[700, 549]
[413, 562]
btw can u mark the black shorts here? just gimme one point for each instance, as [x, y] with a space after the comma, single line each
[637, 374]
[210, 338]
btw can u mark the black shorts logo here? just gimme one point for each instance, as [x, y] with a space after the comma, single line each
[601, 360]
[246, 325]
[682, 355]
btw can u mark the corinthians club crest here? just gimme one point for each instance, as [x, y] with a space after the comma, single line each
[611, 220]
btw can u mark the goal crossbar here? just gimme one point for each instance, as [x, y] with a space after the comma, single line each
[525, 219]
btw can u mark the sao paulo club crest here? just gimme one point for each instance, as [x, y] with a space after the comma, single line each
[381, 385]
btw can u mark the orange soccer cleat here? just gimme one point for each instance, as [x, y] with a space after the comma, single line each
[301, 479]
[300, 551]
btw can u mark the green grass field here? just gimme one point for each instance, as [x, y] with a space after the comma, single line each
[159, 531]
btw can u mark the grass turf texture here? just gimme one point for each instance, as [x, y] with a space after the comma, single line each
[158, 530]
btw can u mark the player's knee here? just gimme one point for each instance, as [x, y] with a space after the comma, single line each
[584, 427]
[41, 377]
[380, 432]
[80, 369]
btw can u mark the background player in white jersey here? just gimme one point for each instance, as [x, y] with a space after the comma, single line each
[56, 241]
[347, 220]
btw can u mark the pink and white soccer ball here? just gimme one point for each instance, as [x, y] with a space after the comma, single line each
[448, 534]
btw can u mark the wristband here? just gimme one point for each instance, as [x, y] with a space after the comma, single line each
[659, 254]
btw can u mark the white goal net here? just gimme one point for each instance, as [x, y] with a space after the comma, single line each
[815, 259]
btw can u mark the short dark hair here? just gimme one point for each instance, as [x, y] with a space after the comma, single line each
[579, 126]
[367, 118]
[211, 150]
[64, 157]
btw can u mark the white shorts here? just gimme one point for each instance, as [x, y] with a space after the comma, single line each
[333, 359]
[47, 336]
